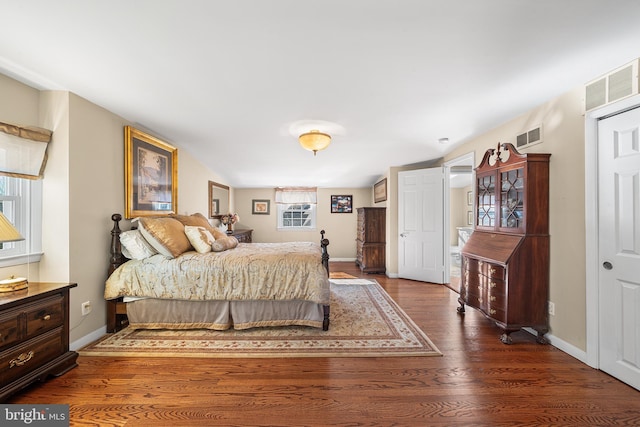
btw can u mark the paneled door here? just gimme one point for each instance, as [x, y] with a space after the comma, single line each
[421, 225]
[619, 251]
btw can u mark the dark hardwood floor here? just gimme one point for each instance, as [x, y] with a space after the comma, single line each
[478, 382]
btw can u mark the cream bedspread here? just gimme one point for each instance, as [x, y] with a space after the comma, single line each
[251, 271]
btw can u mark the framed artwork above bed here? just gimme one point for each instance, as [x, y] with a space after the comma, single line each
[151, 175]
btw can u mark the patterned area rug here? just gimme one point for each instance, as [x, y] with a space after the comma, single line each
[365, 322]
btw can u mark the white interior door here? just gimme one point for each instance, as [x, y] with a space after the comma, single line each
[619, 251]
[421, 225]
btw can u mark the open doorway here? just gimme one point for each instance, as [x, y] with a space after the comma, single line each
[459, 212]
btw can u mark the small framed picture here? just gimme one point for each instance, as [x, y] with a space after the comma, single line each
[341, 204]
[469, 198]
[380, 191]
[469, 218]
[260, 207]
[215, 207]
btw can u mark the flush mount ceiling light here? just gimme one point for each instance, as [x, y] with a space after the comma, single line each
[314, 140]
[443, 140]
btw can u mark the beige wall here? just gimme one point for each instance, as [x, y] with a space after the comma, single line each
[82, 187]
[563, 137]
[340, 228]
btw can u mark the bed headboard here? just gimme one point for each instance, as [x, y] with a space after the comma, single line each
[117, 259]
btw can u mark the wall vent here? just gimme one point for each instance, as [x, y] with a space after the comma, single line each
[530, 137]
[618, 84]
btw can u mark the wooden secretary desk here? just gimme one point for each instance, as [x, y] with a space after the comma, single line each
[505, 262]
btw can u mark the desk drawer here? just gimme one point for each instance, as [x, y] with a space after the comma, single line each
[22, 359]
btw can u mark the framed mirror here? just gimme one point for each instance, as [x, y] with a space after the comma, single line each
[218, 200]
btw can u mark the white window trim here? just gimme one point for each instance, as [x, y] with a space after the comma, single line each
[281, 208]
[29, 223]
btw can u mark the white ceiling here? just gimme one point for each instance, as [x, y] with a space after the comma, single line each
[226, 80]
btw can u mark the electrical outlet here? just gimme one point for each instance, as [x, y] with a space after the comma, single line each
[86, 308]
[551, 308]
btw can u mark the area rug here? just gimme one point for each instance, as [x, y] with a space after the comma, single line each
[365, 322]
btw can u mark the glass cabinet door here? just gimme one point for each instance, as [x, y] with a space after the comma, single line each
[486, 196]
[512, 198]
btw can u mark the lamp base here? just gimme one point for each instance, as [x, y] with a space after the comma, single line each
[13, 284]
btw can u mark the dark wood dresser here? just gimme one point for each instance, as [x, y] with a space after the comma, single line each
[34, 335]
[371, 240]
[243, 236]
[505, 262]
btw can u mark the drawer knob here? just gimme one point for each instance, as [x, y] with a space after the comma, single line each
[492, 311]
[21, 360]
[493, 284]
[47, 317]
[492, 298]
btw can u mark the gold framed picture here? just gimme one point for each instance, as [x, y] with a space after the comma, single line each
[151, 175]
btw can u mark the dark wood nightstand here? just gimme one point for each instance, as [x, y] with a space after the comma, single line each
[243, 236]
[34, 335]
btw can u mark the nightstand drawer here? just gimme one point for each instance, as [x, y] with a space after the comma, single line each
[44, 315]
[21, 359]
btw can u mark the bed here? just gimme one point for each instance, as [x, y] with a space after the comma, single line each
[167, 281]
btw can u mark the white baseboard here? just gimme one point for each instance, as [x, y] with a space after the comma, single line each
[88, 339]
[563, 346]
[341, 260]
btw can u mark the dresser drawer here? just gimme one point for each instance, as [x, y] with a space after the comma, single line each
[21, 359]
[44, 315]
[8, 329]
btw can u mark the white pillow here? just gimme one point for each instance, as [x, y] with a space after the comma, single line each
[135, 246]
[199, 237]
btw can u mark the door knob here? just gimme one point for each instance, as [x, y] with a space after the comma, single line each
[403, 234]
[607, 265]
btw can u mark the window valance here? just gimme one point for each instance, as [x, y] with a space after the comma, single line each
[291, 195]
[23, 151]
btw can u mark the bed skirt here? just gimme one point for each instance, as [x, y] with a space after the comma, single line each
[220, 315]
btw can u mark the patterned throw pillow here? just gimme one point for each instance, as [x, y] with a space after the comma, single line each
[200, 238]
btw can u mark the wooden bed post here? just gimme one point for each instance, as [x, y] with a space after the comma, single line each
[325, 262]
[116, 249]
[325, 255]
[116, 312]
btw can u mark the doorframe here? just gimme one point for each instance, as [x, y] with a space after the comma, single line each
[592, 261]
[464, 159]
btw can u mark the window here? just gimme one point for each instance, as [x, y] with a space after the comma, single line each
[296, 216]
[296, 208]
[21, 203]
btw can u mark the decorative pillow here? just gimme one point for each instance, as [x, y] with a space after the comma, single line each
[224, 243]
[135, 246]
[194, 220]
[200, 238]
[218, 234]
[166, 235]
